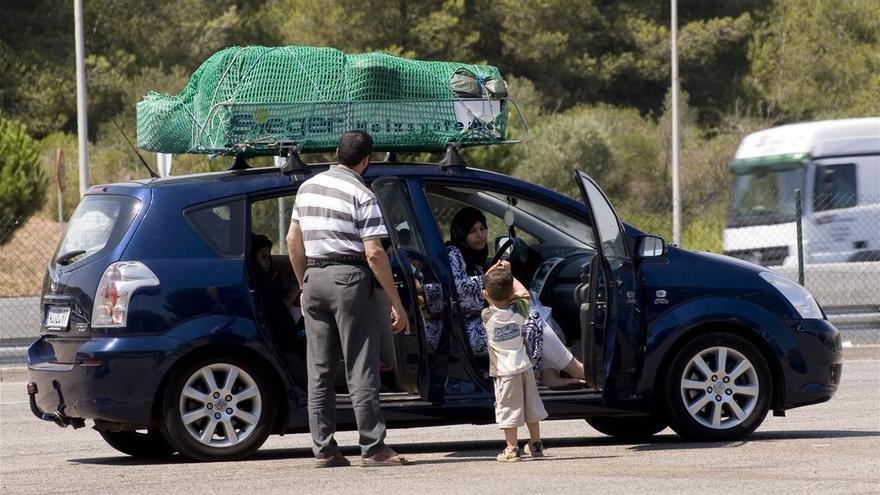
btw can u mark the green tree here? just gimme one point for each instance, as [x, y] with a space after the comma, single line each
[22, 183]
[818, 59]
[561, 144]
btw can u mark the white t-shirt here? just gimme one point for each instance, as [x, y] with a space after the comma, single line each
[507, 353]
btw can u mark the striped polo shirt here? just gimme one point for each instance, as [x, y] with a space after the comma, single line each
[336, 212]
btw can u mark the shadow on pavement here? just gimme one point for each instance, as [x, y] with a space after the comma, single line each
[673, 442]
[487, 449]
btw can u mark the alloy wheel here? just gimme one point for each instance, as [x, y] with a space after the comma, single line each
[719, 388]
[220, 405]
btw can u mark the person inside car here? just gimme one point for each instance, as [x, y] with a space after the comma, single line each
[468, 253]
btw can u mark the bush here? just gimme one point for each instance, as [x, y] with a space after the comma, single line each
[561, 144]
[22, 181]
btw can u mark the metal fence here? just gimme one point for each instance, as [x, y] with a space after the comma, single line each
[840, 234]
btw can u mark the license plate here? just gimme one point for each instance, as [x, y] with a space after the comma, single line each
[57, 317]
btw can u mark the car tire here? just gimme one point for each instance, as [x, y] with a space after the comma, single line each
[149, 445]
[628, 427]
[718, 388]
[218, 407]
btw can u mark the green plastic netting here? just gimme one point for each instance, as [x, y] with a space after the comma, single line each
[251, 99]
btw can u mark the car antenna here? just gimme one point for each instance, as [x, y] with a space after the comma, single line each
[152, 174]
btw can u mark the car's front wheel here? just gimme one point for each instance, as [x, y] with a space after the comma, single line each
[148, 445]
[218, 407]
[718, 388]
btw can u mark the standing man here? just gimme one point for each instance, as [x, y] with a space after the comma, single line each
[335, 246]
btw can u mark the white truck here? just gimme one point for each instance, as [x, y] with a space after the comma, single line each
[836, 165]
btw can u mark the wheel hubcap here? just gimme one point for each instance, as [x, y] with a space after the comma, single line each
[220, 405]
[719, 388]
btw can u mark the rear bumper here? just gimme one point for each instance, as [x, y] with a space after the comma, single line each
[815, 365]
[111, 379]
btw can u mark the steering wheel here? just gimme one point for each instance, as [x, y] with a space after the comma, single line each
[499, 255]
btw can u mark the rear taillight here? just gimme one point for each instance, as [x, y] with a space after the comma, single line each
[118, 283]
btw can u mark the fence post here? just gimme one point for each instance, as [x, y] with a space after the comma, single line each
[800, 236]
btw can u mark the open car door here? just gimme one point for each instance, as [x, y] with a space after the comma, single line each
[606, 296]
[404, 253]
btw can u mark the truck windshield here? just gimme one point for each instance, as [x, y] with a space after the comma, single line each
[764, 196]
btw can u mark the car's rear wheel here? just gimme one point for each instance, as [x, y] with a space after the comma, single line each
[628, 427]
[718, 388]
[149, 445]
[218, 407]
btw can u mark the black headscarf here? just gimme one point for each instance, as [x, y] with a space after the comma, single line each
[459, 228]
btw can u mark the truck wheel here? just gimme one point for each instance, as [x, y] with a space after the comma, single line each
[628, 427]
[718, 388]
[148, 445]
[218, 408]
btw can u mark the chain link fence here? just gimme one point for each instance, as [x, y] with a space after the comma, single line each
[840, 239]
[25, 249]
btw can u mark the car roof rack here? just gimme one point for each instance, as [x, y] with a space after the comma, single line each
[293, 164]
[240, 163]
[452, 162]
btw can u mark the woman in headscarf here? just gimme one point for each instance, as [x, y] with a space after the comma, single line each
[468, 253]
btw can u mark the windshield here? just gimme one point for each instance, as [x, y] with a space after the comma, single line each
[565, 224]
[764, 196]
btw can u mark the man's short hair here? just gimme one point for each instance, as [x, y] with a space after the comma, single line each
[353, 147]
[499, 284]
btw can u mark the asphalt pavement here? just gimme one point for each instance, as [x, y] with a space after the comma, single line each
[826, 448]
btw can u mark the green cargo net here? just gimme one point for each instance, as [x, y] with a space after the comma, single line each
[252, 100]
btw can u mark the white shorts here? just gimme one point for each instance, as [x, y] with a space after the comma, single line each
[556, 355]
[517, 401]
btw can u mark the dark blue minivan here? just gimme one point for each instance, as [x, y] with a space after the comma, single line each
[161, 327]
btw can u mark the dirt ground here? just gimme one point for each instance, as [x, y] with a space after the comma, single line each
[24, 258]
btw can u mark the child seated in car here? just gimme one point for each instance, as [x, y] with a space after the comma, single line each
[517, 402]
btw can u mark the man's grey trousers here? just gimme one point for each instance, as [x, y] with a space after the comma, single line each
[344, 316]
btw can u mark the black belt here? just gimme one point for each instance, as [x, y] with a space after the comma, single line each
[338, 260]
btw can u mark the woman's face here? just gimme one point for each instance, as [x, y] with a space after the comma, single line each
[476, 238]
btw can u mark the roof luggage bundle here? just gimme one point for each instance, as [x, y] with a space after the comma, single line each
[253, 100]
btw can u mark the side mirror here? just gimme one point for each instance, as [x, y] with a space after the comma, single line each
[650, 246]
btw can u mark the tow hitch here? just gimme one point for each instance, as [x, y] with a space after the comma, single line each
[58, 417]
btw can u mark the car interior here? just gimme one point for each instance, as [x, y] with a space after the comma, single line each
[281, 310]
[545, 256]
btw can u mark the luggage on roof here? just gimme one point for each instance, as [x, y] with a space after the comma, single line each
[253, 99]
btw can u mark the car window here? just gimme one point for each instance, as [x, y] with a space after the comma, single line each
[271, 218]
[535, 222]
[834, 187]
[400, 219]
[610, 233]
[98, 222]
[221, 226]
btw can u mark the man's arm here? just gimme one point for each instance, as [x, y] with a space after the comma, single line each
[296, 250]
[378, 261]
